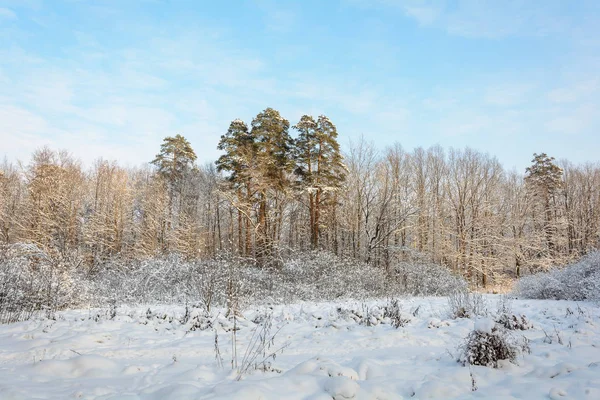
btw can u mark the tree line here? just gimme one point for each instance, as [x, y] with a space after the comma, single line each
[277, 189]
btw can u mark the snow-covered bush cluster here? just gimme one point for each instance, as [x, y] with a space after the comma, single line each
[578, 281]
[507, 319]
[489, 343]
[164, 280]
[464, 304]
[423, 278]
[308, 276]
[513, 322]
[322, 275]
[319, 275]
[492, 339]
[393, 311]
[388, 313]
[32, 282]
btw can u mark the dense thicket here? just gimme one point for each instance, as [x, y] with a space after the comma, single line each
[278, 189]
[32, 282]
[577, 281]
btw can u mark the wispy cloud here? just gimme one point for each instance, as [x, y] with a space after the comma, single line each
[508, 94]
[424, 14]
[7, 13]
[489, 18]
[113, 82]
[575, 120]
[575, 92]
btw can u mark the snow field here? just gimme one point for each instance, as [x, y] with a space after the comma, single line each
[84, 354]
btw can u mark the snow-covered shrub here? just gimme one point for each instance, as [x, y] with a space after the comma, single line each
[206, 280]
[167, 280]
[543, 285]
[261, 350]
[350, 314]
[393, 311]
[504, 305]
[200, 321]
[423, 278]
[31, 281]
[506, 318]
[370, 316]
[306, 276]
[464, 304]
[487, 344]
[513, 322]
[320, 275]
[373, 315]
[578, 281]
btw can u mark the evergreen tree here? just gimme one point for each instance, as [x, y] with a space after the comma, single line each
[176, 158]
[319, 167]
[273, 144]
[544, 175]
[544, 179]
[239, 161]
[239, 147]
[274, 163]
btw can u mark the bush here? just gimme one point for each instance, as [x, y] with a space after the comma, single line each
[422, 278]
[464, 304]
[166, 280]
[393, 311]
[578, 281]
[513, 322]
[320, 275]
[309, 276]
[487, 344]
[506, 318]
[32, 282]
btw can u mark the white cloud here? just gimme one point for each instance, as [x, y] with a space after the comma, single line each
[50, 92]
[7, 13]
[576, 120]
[487, 18]
[21, 132]
[423, 14]
[27, 4]
[507, 94]
[119, 101]
[278, 16]
[16, 120]
[575, 92]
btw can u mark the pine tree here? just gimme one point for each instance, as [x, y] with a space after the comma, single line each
[273, 144]
[319, 167]
[544, 175]
[239, 147]
[239, 161]
[544, 179]
[274, 163]
[175, 159]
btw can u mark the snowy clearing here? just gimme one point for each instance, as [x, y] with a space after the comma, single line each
[141, 354]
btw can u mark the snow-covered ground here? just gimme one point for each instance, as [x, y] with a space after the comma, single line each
[84, 354]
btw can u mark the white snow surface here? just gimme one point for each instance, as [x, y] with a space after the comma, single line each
[485, 325]
[84, 354]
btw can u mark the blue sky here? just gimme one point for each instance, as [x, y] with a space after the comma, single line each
[111, 78]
